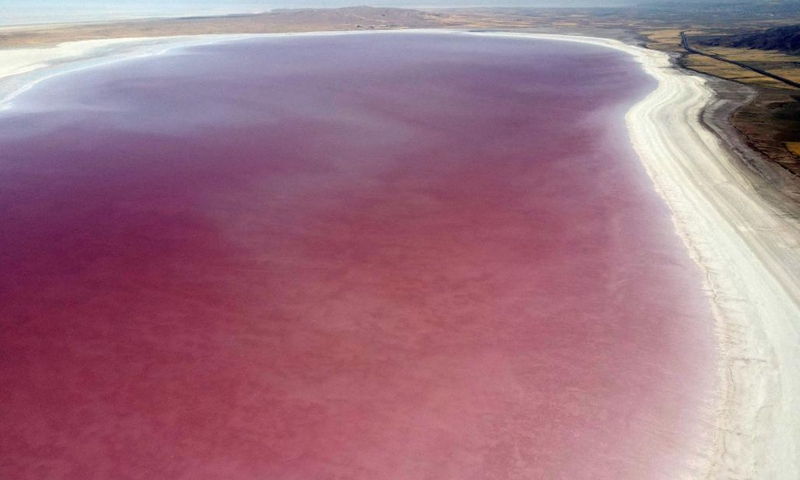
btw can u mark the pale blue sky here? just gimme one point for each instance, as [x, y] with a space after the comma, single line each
[37, 11]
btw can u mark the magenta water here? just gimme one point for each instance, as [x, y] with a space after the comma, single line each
[395, 256]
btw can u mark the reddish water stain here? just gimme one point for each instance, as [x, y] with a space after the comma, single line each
[363, 257]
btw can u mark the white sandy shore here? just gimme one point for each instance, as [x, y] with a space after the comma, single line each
[23, 68]
[750, 253]
[748, 249]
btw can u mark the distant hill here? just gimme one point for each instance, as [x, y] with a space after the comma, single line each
[784, 39]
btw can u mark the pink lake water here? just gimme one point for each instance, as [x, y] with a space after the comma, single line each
[394, 256]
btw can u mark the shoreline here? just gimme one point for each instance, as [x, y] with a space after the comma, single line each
[747, 248]
[746, 242]
[23, 69]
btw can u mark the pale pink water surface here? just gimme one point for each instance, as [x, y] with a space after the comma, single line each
[395, 256]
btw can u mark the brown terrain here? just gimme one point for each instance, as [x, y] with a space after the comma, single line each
[769, 120]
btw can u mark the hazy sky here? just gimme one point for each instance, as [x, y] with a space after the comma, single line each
[36, 11]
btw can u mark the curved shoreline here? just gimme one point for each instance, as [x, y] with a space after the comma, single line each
[23, 69]
[748, 251]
